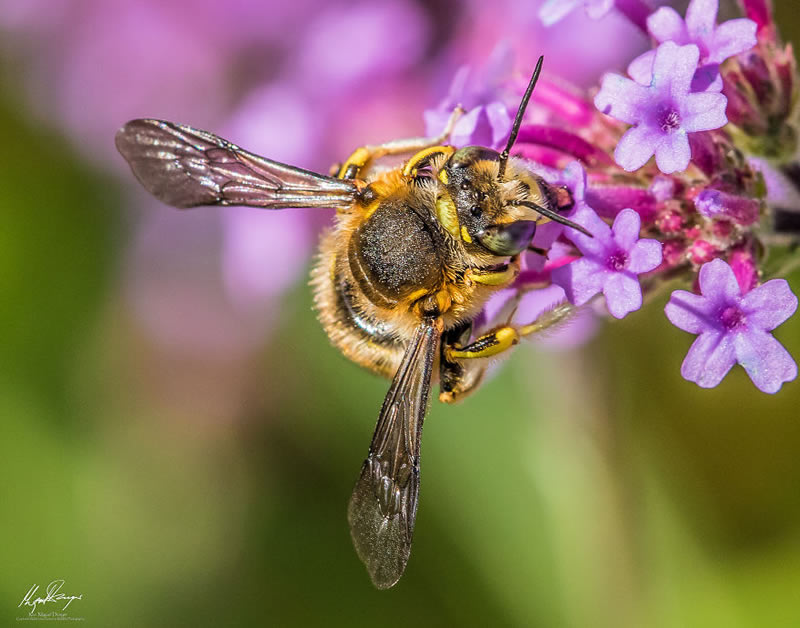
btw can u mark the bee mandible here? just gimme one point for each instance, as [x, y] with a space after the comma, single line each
[414, 254]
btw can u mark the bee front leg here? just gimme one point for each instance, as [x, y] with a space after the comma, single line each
[363, 155]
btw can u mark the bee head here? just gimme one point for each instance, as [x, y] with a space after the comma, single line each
[496, 211]
[481, 202]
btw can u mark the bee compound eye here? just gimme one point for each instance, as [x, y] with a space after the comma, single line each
[475, 210]
[509, 239]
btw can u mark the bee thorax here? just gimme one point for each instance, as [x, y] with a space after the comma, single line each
[394, 254]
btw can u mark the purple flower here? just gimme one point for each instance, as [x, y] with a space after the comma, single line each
[554, 11]
[663, 113]
[486, 121]
[734, 327]
[572, 177]
[611, 261]
[716, 43]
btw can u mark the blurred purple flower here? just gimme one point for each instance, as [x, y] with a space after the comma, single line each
[486, 121]
[715, 42]
[519, 308]
[734, 327]
[367, 40]
[553, 11]
[264, 251]
[713, 203]
[664, 113]
[612, 260]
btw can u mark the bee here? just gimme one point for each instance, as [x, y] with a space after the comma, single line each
[415, 252]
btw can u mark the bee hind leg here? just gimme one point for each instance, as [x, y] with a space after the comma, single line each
[462, 366]
[457, 378]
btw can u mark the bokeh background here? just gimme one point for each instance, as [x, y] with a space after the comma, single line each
[179, 441]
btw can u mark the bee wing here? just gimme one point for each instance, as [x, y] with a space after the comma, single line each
[383, 507]
[186, 167]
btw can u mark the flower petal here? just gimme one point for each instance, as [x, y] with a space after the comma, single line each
[768, 305]
[707, 79]
[500, 123]
[667, 25]
[703, 112]
[710, 358]
[645, 256]
[471, 128]
[554, 11]
[622, 98]
[596, 9]
[597, 245]
[672, 152]
[636, 147]
[690, 312]
[718, 283]
[574, 177]
[626, 229]
[458, 88]
[641, 68]
[765, 359]
[623, 294]
[533, 303]
[674, 67]
[581, 279]
[732, 38]
[701, 17]
[435, 121]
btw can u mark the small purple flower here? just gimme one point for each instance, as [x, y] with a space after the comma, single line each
[486, 121]
[734, 327]
[715, 42]
[572, 177]
[663, 113]
[554, 11]
[611, 261]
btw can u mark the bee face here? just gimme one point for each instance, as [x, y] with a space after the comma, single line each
[482, 203]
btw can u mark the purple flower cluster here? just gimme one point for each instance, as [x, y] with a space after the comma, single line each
[715, 105]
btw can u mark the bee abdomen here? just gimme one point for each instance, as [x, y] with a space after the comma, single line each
[394, 254]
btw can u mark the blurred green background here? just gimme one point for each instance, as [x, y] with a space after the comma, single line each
[592, 487]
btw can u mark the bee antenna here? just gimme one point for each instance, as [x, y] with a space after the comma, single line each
[555, 217]
[518, 119]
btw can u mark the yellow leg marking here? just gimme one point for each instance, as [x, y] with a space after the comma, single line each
[417, 294]
[410, 168]
[487, 345]
[495, 278]
[358, 159]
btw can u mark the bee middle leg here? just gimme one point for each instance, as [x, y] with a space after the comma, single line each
[363, 155]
